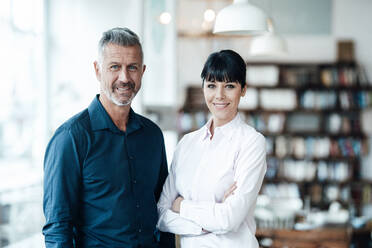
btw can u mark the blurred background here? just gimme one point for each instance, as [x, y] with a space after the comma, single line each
[312, 101]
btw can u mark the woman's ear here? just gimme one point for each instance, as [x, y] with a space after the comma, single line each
[244, 90]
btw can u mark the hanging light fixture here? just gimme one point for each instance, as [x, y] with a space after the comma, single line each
[269, 44]
[240, 17]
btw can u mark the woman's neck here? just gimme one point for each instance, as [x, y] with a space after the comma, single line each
[218, 123]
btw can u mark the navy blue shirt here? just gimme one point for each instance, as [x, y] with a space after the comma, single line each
[101, 184]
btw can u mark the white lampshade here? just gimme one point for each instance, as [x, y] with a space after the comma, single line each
[240, 17]
[269, 44]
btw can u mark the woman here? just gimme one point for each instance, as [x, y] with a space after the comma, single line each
[217, 171]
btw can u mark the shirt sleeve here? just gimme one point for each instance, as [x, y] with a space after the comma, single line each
[228, 216]
[170, 221]
[61, 190]
[166, 239]
[163, 172]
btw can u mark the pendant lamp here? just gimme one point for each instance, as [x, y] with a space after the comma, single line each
[240, 18]
[269, 44]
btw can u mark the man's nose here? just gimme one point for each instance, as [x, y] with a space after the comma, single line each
[124, 75]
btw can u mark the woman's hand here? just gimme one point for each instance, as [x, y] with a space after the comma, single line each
[176, 206]
[230, 191]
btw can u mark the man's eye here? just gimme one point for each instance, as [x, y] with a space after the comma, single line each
[133, 68]
[114, 67]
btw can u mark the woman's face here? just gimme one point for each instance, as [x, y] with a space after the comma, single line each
[222, 99]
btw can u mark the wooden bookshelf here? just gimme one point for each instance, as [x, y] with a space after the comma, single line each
[323, 237]
[342, 94]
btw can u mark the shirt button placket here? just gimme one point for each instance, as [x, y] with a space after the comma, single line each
[134, 181]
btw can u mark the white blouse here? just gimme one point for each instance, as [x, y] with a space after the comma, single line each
[201, 171]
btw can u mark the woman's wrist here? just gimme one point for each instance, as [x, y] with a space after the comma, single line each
[176, 206]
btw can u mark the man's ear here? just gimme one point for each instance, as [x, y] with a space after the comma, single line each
[244, 90]
[97, 69]
[143, 69]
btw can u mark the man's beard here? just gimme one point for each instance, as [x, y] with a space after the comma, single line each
[110, 93]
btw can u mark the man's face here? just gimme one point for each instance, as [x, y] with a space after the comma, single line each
[120, 72]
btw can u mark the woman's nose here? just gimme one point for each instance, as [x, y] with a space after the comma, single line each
[220, 94]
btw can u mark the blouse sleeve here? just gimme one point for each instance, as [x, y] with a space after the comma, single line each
[170, 221]
[228, 216]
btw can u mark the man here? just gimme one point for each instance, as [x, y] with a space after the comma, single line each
[105, 167]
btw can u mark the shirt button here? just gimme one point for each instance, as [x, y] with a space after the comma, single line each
[131, 157]
[137, 206]
[139, 230]
[134, 181]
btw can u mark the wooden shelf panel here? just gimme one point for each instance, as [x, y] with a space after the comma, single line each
[313, 181]
[316, 134]
[208, 35]
[302, 110]
[354, 159]
[313, 87]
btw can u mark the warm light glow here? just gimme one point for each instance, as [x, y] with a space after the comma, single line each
[209, 15]
[165, 18]
[207, 26]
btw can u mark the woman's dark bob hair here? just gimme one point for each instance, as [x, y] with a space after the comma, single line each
[224, 66]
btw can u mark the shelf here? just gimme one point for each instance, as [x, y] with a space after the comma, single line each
[194, 109]
[301, 110]
[320, 237]
[207, 35]
[313, 181]
[315, 134]
[362, 181]
[313, 87]
[354, 159]
[301, 64]
[325, 205]
[304, 134]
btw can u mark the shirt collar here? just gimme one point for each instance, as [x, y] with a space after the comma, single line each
[99, 118]
[227, 130]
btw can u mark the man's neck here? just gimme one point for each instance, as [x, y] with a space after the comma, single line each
[118, 114]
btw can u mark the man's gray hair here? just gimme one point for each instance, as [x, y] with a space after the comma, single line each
[118, 36]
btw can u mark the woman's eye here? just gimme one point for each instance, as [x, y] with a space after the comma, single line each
[230, 86]
[211, 86]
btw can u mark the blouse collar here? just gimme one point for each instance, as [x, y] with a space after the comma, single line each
[226, 130]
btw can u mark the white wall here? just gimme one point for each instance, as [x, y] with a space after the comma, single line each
[75, 29]
[160, 83]
[352, 20]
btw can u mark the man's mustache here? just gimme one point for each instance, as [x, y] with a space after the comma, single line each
[129, 85]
